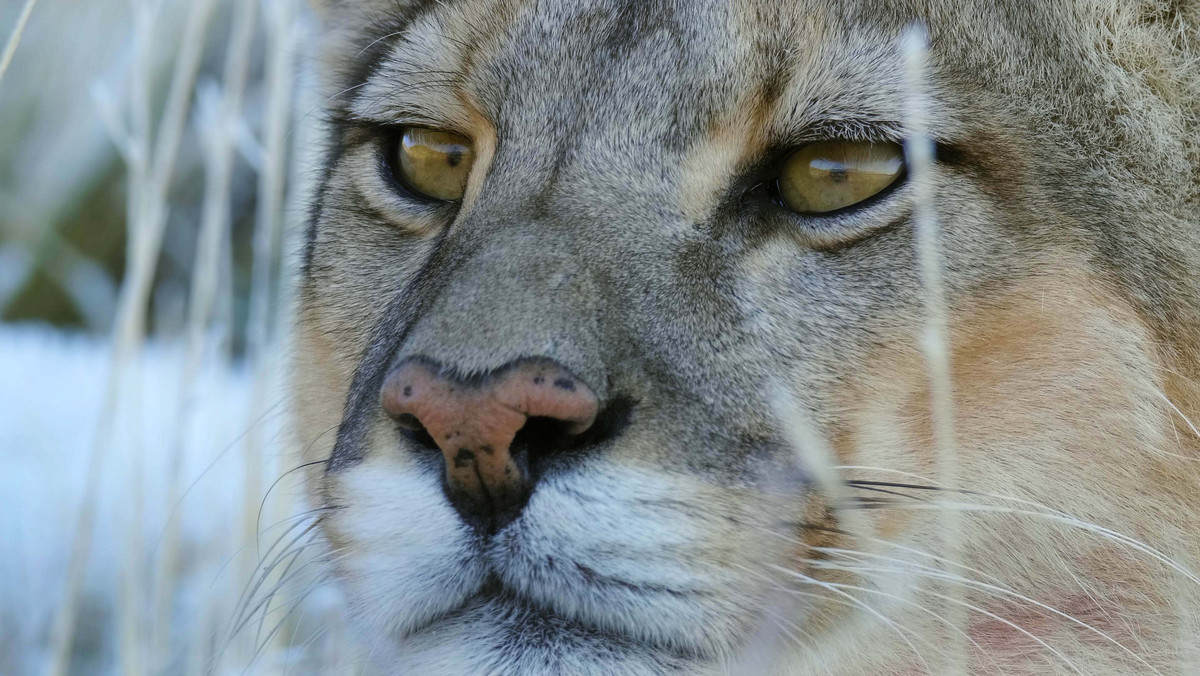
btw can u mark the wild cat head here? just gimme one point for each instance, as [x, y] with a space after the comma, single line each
[566, 259]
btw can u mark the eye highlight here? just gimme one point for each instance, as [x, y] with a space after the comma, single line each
[831, 175]
[433, 163]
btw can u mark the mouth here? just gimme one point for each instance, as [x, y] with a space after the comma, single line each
[567, 576]
[505, 617]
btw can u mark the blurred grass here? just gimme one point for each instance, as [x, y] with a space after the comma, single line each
[62, 182]
[175, 432]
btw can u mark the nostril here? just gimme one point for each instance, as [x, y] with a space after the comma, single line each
[610, 422]
[409, 422]
[541, 436]
[548, 441]
[412, 429]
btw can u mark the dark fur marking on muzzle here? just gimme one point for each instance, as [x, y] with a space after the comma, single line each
[362, 402]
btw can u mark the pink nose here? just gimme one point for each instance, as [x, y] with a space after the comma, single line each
[474, 424]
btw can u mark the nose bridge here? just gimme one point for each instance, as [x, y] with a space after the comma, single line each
[519, 295]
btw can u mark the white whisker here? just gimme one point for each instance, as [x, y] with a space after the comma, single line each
[1070, 521]
[1182, 416]
[1047, 512]
[900, 631]
[900, 599]
[996, 591]
[1011, 624]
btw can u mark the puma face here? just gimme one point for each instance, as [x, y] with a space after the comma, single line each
[610, 337]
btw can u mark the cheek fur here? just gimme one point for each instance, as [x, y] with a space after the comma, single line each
[398, 545]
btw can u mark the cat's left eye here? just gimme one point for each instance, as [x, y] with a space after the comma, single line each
[433, 163]
[829, 176]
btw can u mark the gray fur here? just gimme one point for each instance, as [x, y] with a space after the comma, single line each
[584, 245]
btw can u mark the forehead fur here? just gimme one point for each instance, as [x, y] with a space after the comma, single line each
[1116, 79]
[1035, 43]
[1095, 96]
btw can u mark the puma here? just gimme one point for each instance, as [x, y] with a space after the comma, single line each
[578, 271]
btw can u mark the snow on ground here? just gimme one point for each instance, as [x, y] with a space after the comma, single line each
[51, 390]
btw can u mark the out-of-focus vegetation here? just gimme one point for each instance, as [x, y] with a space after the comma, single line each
[63, 183]
[152, 161]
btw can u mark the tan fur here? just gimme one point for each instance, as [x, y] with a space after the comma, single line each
[1060, 342]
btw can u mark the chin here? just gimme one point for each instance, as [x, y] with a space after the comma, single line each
[606, 569]
[498, 632]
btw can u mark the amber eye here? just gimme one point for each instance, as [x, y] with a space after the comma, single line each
[831, 175]
[434, 163]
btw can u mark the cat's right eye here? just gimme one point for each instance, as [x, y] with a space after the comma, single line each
[432, 163]
[828, 176]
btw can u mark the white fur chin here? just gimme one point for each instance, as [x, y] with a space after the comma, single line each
[498, 636]
[412, 558]
[607, 570]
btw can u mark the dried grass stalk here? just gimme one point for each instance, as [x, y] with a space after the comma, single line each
[266, 278]
[14, 38]
[935, 340]
[206, 272]
[147, 209]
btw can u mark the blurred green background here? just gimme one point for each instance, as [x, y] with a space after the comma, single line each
[63, 183]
